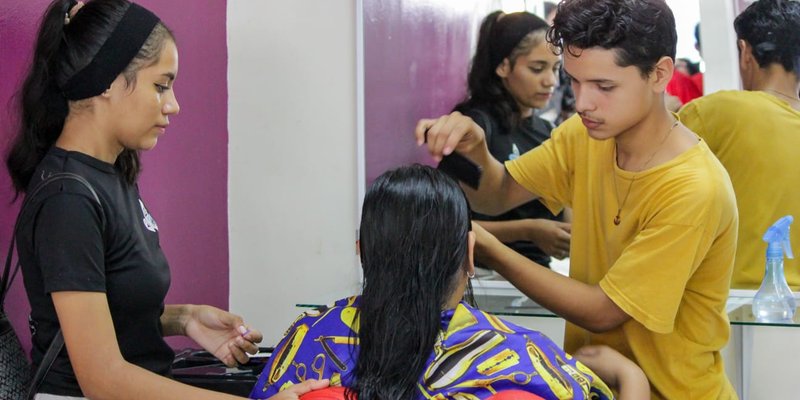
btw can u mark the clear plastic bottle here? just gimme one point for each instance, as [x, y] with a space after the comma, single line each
[774, 301]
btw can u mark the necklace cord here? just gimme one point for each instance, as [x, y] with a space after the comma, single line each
[784, 95]
[617, 219]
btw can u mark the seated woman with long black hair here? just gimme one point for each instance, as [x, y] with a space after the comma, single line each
[410, 335]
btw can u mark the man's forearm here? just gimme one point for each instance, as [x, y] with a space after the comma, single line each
[488, 199]
[495, 194]
[582, 304]
[506, 231]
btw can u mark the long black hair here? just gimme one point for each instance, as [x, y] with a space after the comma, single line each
[62, 50]
[772, 28]
[414, 229]
[484, 87]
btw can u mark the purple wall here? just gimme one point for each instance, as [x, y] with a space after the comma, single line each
[184, 181]
[16, 39]
[417, 55]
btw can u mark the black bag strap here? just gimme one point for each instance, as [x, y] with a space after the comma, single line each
[8, 278]
[47, 361]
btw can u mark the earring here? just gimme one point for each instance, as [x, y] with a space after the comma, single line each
[471, 275]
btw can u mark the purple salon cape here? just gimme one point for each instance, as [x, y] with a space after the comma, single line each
[476, 356]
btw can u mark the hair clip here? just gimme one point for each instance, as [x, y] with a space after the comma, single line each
[75, 6]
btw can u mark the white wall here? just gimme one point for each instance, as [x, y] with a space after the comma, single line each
[292, 175]
[718, 41]
[687, 15]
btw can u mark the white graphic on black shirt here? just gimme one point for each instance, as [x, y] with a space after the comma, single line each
[514, 152]
[148, 220]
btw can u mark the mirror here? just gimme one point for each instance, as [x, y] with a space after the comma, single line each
[416, 55]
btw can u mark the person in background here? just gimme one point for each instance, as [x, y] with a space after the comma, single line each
[755, 132]
[687, 80]
[414, 332]
[98, 91]
[654, 213]
[697, 76]
[682, 87]
[513, 73]
[562, 105]
[687, 67]
[550, 10]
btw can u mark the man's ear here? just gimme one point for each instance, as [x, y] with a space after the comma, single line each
[662, 73]
[746, 57]
[504, 69]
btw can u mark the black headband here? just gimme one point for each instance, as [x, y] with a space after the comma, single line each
[508, 31]
[116, 53]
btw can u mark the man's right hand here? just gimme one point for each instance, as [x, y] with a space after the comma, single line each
[449, 133]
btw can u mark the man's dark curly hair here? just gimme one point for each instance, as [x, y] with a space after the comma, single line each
[772, 28]
[640, 31]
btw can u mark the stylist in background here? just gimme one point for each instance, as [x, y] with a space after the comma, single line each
[514, 72]
[99, 90]
[755, 132]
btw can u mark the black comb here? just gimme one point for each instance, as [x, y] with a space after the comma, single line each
[460, 168]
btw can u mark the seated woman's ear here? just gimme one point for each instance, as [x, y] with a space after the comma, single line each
[470, 253]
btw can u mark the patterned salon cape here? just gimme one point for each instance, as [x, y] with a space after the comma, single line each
[476, 355]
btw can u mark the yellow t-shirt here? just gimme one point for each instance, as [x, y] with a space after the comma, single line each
[667, 265]
[756, 136]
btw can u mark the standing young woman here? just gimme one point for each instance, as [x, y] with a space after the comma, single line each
[514, 71]
[99, 90]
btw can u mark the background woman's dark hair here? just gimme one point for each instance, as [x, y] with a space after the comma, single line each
[693, 67]
[414, 230]
[640, 31]
[62, 50]
[549, 7]
[484, 88]
[772, 28]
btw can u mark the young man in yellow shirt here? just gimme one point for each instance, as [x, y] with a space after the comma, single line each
[755, 133]
[655, 221]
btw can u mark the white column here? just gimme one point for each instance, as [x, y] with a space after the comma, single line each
[292, 170]
[718, 42]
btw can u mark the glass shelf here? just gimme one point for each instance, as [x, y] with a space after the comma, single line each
[498, 297]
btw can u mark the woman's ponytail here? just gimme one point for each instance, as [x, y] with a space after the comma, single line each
[63, 51]
[42, 107]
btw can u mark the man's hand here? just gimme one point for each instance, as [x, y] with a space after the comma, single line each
[448, 133]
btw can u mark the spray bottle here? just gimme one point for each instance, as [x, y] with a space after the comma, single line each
[774, 301]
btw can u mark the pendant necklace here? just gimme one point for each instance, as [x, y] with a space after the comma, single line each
[617, 218]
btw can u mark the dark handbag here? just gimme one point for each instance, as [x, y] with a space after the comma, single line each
[14, 368]
[15, 371]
